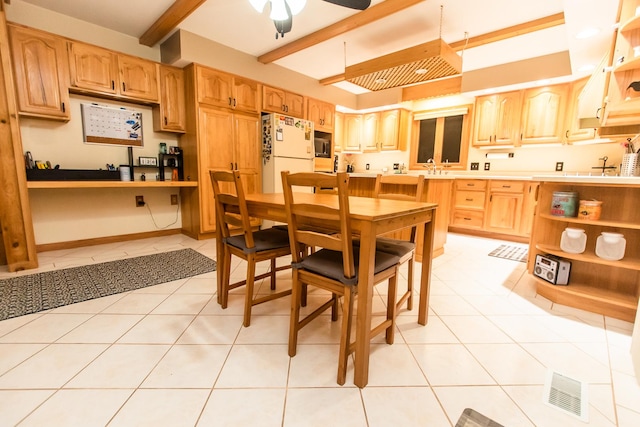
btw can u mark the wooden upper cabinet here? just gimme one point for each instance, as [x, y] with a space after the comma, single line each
[214, 87]
[170, 115]
[543, 112]
[370, 125]
[497, 119]
[220, 89]
[41, 73]
[280, 101]
[102, 71]
[138, 78]
[321, 114]
[573, 132]
[246, 95]
[352, 132]
[389, 129]
[93, 68]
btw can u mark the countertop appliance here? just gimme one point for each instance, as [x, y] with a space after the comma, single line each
[287, 144]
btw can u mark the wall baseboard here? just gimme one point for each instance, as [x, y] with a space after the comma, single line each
[103, 240]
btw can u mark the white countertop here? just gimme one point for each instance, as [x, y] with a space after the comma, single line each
[519, 176]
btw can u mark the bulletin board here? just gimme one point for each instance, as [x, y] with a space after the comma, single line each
[102, 124]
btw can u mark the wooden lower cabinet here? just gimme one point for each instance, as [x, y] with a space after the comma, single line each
[599, 285]
[498, 207]
[435, 191]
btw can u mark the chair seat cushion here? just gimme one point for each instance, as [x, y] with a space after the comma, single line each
[264, 240]
[328, 263]
[395, 247]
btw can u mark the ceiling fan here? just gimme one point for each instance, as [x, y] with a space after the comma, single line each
[282, 11]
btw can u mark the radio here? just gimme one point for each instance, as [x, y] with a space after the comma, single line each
[552, 269]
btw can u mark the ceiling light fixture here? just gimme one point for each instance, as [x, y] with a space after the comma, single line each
[279, 7]
[418, 64]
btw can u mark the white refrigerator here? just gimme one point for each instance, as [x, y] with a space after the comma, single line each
[287, 145]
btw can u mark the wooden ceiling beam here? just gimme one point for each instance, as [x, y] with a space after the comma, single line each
[492, 37]
[360, 19]
[169, 20]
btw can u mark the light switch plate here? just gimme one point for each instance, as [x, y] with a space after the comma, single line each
[475, 166]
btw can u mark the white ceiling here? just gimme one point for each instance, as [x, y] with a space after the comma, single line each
[236, 24]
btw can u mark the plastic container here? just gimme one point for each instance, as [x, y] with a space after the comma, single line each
[125, 173]
[573, 240]
[611, 246]
[590, 209]
[564, 203]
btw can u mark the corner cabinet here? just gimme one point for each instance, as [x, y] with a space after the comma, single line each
[41, 73]
[595, 284]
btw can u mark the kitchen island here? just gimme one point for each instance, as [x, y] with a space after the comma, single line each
[437, 189]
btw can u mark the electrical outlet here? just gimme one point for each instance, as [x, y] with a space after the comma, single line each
[475, 166]
[174, 199]
[487, 166]
[559, 166]
[139, 201]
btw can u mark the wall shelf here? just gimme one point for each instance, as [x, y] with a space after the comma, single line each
[109, 184]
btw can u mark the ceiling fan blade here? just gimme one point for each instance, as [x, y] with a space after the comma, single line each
[352, 4]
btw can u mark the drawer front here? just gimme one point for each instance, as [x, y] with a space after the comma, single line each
[471, 184]
[507, 186]
[469, 199]
[470, 219]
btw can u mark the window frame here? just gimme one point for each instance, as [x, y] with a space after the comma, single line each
[440, 114]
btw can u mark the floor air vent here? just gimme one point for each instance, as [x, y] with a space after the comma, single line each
[567, 394]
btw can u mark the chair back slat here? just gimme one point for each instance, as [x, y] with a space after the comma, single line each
[300, 214]
[231, 209]
[400, 187]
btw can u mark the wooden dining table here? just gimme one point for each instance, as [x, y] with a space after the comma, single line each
[370, 217]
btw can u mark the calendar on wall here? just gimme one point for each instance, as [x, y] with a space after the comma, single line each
[102, 124]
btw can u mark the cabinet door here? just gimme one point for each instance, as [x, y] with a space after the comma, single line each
[572, 123]
[504, 213]
[247, 150]
[370, 123]
[245, 95]
[294, 104]
[543, 113]
[273, 99]
[214, 87]
[215, 151]
[321, 114]
[389, 130]
[352, 139]
[138, 78]
[485, 119]
[93, 68]
[507, 118]
[338, 132]
[41, 73]
[171, 113]
[528, 208]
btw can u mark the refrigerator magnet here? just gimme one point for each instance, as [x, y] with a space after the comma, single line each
[279, 136]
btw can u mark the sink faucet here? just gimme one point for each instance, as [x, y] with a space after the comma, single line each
[433, 166]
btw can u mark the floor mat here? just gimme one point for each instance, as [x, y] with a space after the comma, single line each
[515, 253]
[43, 291]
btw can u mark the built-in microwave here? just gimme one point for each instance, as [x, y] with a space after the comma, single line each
[322, 143]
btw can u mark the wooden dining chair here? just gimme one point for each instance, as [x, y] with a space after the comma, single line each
[401, 187]
[241, 240]
[334, 266]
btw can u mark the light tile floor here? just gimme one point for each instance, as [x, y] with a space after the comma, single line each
[168, 355]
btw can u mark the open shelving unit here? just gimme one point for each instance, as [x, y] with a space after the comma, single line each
[611, 288]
